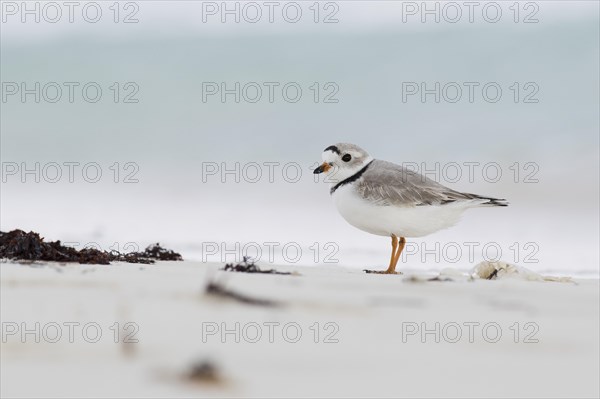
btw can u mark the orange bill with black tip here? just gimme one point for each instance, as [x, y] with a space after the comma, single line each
[324, 167]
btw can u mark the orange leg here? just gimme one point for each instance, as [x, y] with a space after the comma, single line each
[393, 260]
[396, 256]
[397, 247]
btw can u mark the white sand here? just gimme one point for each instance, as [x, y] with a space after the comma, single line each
[370, 358]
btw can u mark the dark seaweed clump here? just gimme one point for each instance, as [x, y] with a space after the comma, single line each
[18, 245]
[150, 254]
[247, 265]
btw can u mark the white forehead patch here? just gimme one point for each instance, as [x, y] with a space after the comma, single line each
[329, 156]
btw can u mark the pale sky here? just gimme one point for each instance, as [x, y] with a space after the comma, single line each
[176, 18]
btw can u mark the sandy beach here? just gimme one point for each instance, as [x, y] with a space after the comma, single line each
[321, 331]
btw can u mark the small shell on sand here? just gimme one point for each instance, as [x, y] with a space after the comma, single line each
[501, 270]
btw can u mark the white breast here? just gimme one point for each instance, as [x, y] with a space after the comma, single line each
[413, 221]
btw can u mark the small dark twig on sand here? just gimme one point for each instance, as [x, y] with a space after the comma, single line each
[204, 372]
[218, 290]
[440, 278]
[247, 265]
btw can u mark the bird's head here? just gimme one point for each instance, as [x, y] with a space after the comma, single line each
[342, 160]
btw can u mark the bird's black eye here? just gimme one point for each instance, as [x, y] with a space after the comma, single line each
[346, 157]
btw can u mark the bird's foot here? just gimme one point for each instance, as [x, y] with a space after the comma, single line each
[381, 271]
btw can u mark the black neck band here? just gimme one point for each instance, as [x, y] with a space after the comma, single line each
[350, 179]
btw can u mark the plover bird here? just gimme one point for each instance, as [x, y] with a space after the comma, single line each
[386, 199]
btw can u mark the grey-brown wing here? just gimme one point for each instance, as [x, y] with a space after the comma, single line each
[385, 183]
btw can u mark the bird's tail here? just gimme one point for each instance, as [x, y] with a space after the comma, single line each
[489, 201]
